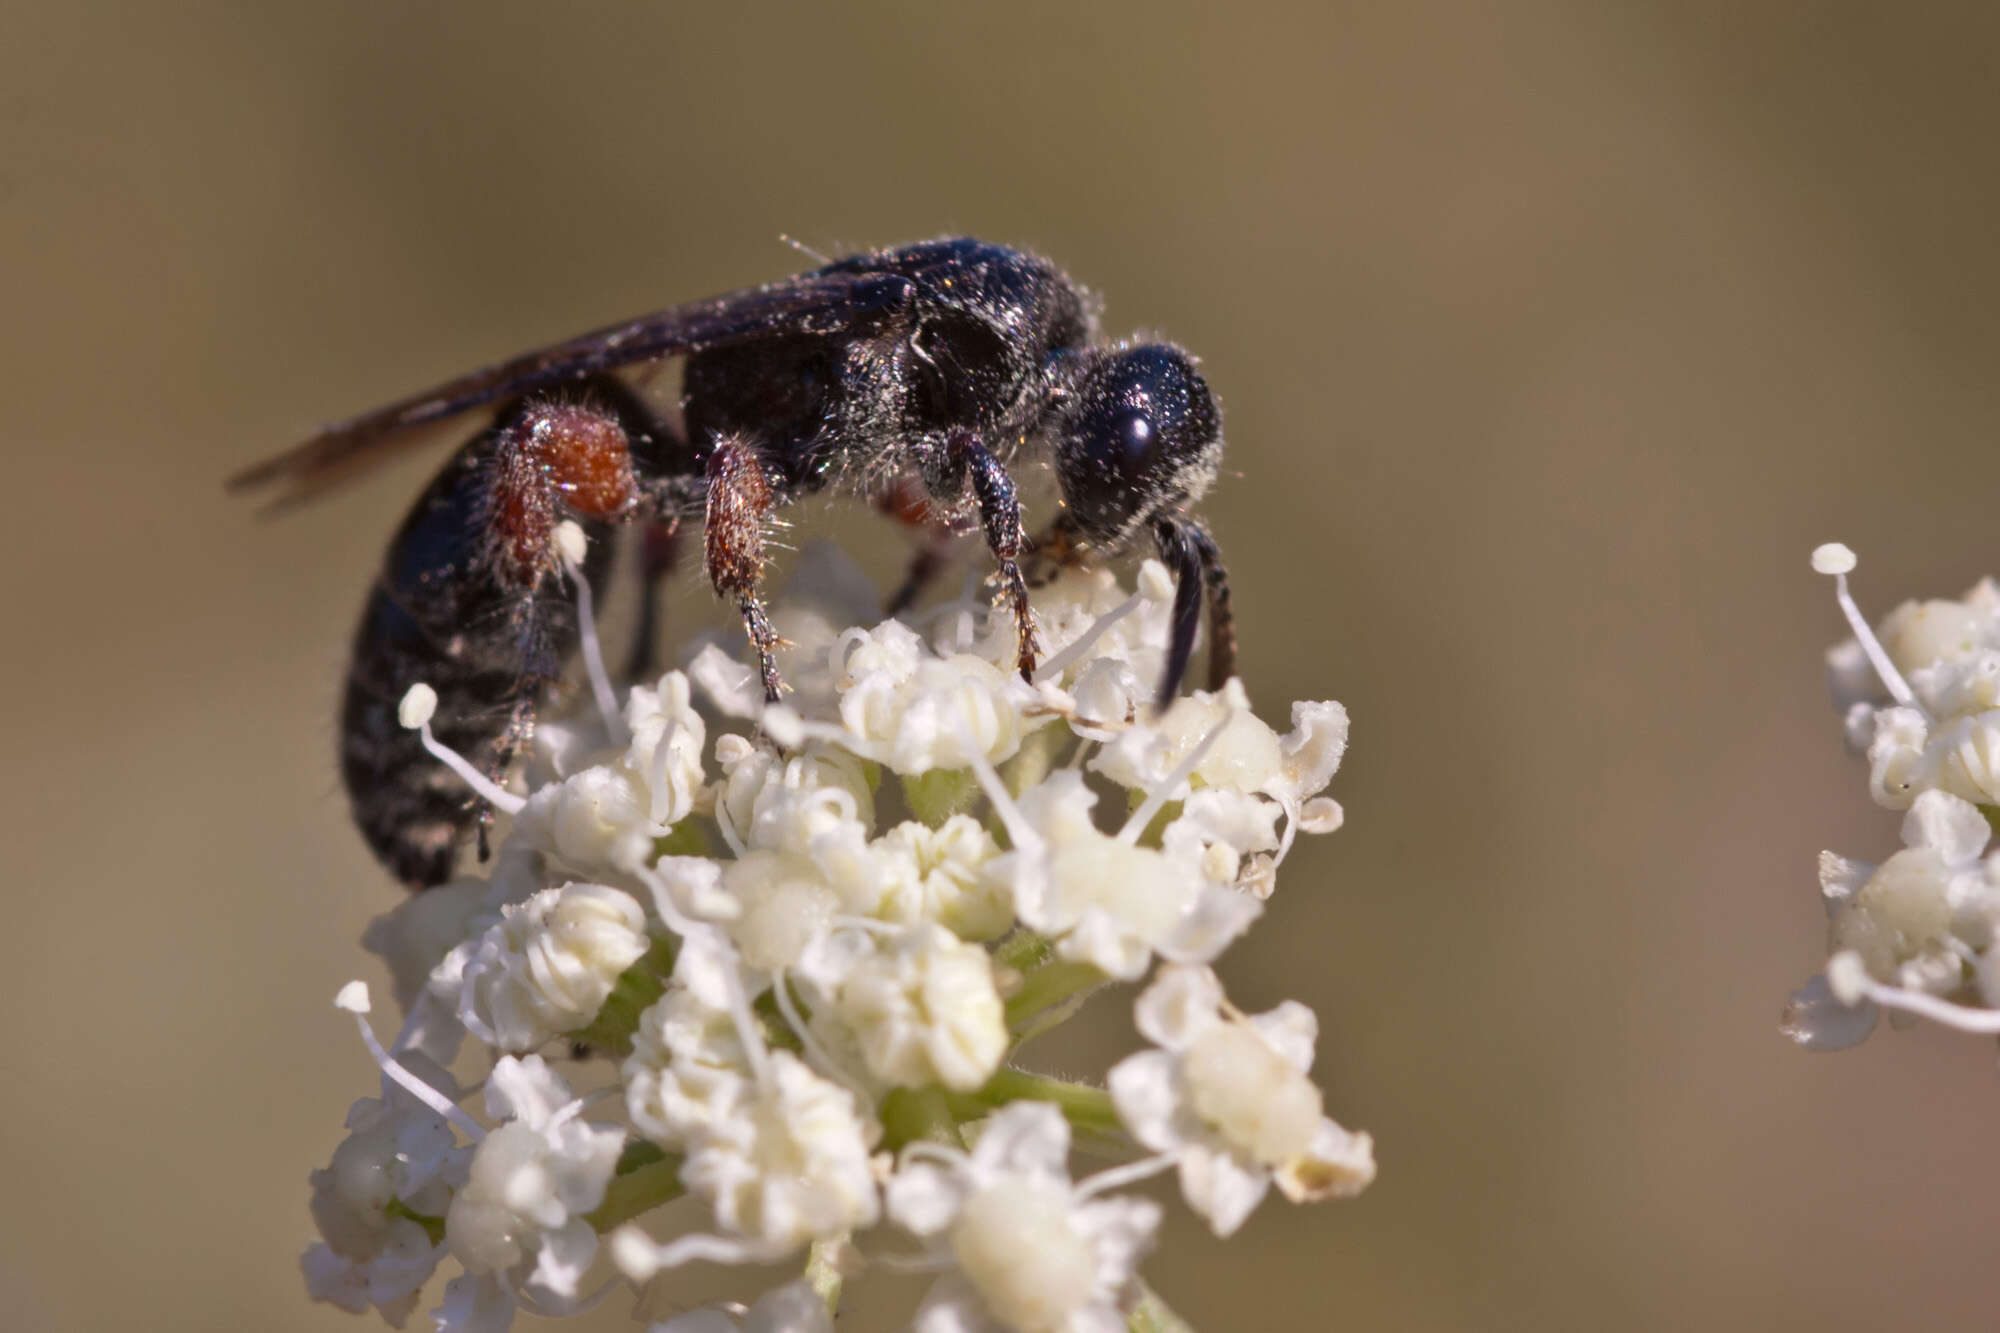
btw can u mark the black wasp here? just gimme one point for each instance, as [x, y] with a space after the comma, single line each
[916, 372]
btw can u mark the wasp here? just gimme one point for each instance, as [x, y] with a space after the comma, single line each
[932, 368]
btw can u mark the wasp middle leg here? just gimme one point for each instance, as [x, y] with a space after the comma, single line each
[946, 472]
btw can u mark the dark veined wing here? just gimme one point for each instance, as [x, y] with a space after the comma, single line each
[813, 304]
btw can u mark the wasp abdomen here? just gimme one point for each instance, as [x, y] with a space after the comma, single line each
[472, 601]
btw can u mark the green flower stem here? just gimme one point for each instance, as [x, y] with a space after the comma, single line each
[940, 793]
[1032, 762]
[778, 1034]
[1024, 951]
[653, 1179]
[910, 1114]
[1151, 1314]
[433, 1226]
[635, 991]
[1157, 826]
[687, 838]
[1046, 987]
[1087, 1109]
[823, 1272]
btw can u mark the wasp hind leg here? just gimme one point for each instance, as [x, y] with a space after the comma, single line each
[659, 552]
[906, 502]
[738, 508]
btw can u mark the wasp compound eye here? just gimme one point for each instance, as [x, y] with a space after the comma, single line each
[1143, 436]
[1130, 440]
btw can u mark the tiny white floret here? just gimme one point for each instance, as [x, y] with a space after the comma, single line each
[1227, 1095]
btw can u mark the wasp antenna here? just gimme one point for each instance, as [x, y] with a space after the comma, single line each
[1182, 554]
[1221, 619]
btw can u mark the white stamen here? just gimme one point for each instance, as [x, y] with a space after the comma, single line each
[1019, 831]
[484, 787]
[1837, 560]
[663, 902]
[1120, 1176]
[816, 1054]
[638, 1256]
[572, 543]
[1965, 1019]
[1083, 643]
[662, 754]
[566, 1309]
[739, 1003]
[420, 1013]
[1157, 795]
[745, 1022]
[1291, 833]
[353, 998]
[687, 928]
[789, 1011]
[736, 847]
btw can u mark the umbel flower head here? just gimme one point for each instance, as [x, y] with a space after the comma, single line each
[749, 985]
[1917, 933]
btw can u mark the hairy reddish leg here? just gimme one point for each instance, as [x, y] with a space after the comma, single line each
[739, 506]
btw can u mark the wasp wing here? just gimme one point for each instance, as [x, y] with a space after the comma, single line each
[813, 304]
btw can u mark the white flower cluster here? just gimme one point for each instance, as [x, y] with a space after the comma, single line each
[1916, 934]
[793, 953]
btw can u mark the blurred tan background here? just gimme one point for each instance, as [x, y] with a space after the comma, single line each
[1551, 339]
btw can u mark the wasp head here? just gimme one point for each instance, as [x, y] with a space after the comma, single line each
[1139, 435]
[1138, 439]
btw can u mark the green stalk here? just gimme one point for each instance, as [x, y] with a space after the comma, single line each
[1037, 755]
[1087, 1109]
[940, 793]
[635, 991]
[823, 1272]
[1048, 986]
[1157, 826]
[686, 838]
[433, 1226]
[646, 1178]
[911, 1114]
[1024, 950]
[1151, 1314]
